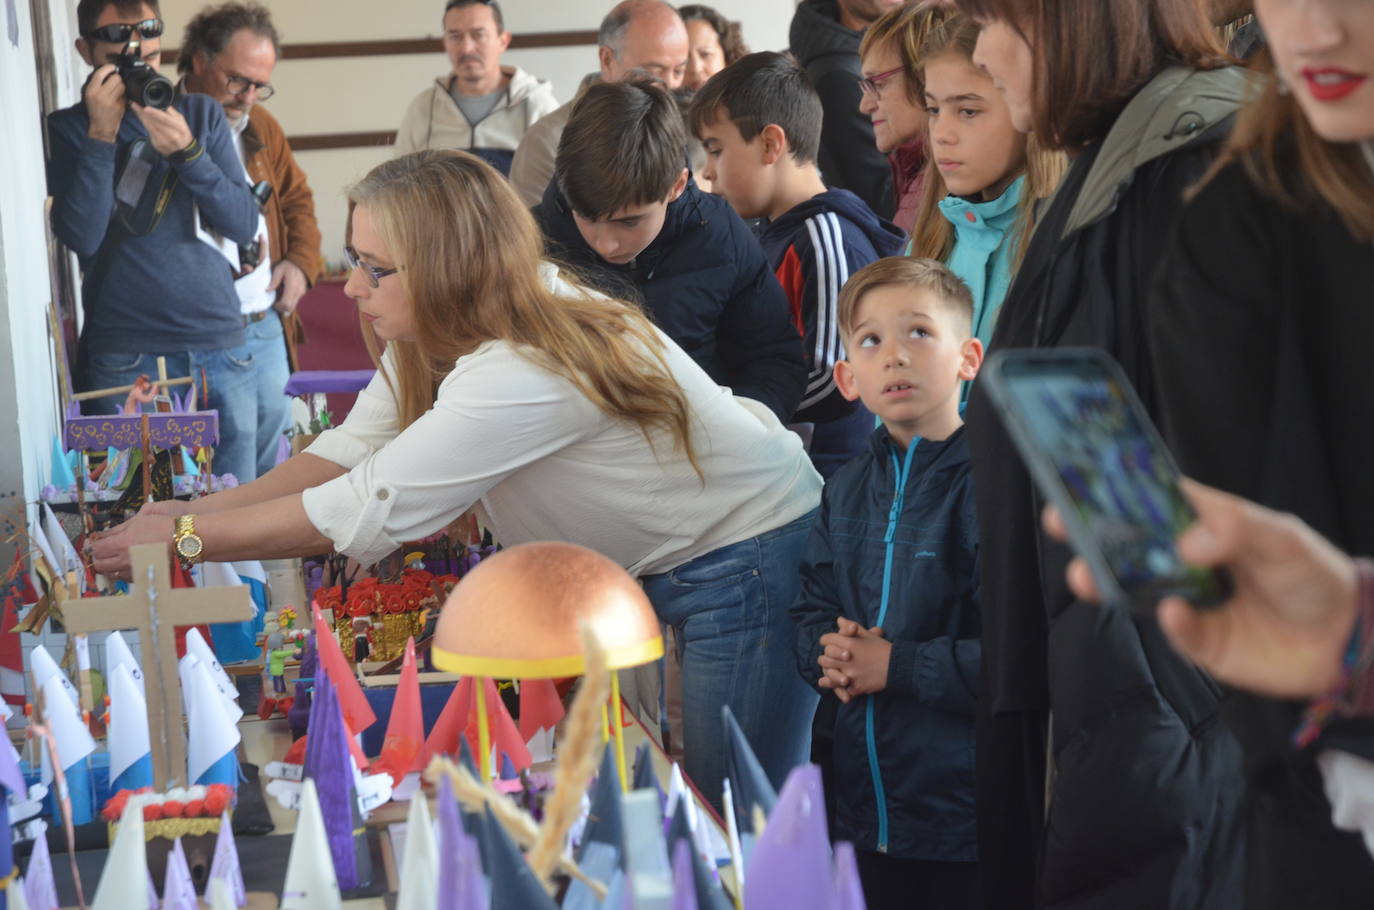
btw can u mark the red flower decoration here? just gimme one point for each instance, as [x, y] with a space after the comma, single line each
[217, 799]
[152, 812]
[195, 808]
[173, 808]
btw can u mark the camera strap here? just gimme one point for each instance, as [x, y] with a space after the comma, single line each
[144, 184]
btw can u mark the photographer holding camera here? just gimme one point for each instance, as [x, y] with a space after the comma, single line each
[153, 201]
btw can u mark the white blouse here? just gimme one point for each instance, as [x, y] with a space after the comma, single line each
[546, 464]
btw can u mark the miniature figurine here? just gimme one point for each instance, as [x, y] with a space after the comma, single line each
[278, 650]
[362, 638]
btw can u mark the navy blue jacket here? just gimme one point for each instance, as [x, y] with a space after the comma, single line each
[896, 545]
[813, 248]
[148, 283]
[705, 282]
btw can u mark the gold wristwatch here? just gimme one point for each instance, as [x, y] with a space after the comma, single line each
[190, 548]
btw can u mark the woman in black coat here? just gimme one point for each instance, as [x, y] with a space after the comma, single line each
[1265, 300]
[1143, 779]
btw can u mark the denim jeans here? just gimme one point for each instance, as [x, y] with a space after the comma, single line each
[266, 341]
[229, 376]
[729, 612]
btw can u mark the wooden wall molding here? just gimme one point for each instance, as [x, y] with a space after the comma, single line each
[316, 141]
[382, 48]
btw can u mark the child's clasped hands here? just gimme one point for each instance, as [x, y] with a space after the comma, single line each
[854, 661]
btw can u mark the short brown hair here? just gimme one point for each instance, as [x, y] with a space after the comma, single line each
[625, 144]
[904, 29]
[88, 11]
[1092, 56]
[760, 89]
[211, 30]
[928, 275]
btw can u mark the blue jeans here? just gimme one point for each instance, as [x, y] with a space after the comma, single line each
[729, 610]
[266, 341]
[229, 375]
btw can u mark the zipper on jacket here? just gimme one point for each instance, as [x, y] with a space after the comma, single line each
[900, 470]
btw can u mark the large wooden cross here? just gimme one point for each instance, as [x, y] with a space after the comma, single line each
[155, 609]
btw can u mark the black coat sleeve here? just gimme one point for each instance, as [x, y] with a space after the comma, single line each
[817, 607]
[849, 158]
[757, 341]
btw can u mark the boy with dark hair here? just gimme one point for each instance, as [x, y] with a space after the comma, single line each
[759, 120]
[887, 618]
[623, 210]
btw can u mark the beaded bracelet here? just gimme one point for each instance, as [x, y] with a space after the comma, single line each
[1354, 691]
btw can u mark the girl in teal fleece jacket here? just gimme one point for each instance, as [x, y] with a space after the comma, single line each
[986, 175]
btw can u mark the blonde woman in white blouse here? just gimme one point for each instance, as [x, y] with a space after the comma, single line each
[563, 416]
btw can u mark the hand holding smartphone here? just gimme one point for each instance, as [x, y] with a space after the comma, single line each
[1093, 452]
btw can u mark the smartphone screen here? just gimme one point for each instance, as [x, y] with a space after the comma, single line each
[1092, 447]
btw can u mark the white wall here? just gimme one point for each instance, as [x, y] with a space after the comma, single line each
[28, 391]
[369, 94]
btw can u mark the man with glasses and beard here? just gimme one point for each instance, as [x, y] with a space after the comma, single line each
[228, 53]
[154, 204]
[479, 106]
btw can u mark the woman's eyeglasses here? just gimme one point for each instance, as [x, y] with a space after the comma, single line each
[873, 85]
[374, 274]
[239, 85]
[120, 32]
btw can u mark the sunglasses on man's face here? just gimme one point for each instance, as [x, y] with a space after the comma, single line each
[120, 32]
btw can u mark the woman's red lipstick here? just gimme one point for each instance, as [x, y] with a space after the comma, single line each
[1330, 83]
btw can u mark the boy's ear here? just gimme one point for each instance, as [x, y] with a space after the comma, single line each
[83, 47]
[680, 187]
[845, 382]
[971, 360]
[774, 141]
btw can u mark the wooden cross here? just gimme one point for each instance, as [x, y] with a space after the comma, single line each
[154, 609]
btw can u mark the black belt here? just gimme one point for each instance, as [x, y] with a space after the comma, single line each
[259, 316]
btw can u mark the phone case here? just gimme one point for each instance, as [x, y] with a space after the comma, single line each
[1046, 476]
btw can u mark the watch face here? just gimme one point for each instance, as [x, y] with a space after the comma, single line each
[189, 546]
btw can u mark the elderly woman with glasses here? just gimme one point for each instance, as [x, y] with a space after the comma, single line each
[893, 97]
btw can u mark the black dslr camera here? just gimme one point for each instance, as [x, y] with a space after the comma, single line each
[143, 84]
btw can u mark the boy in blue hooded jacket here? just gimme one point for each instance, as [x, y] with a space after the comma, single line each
[759, 120]
[887, 618]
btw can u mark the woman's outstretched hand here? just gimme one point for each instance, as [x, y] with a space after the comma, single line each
[110, 549]
[1285, 630]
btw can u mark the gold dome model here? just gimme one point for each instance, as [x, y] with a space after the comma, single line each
[517, 615]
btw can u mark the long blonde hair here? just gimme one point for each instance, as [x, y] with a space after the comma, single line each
[470, 254]
[933, 235]
[1334, 171]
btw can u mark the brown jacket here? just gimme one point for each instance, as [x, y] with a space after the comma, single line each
[291, 229]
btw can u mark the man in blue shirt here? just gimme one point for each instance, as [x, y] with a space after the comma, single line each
[154, 204]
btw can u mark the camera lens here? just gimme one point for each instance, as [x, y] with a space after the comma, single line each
[146, 85]
[158, 92]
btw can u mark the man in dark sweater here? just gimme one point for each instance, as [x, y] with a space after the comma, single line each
[623, 211]
[154, 204]
[825, 37]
